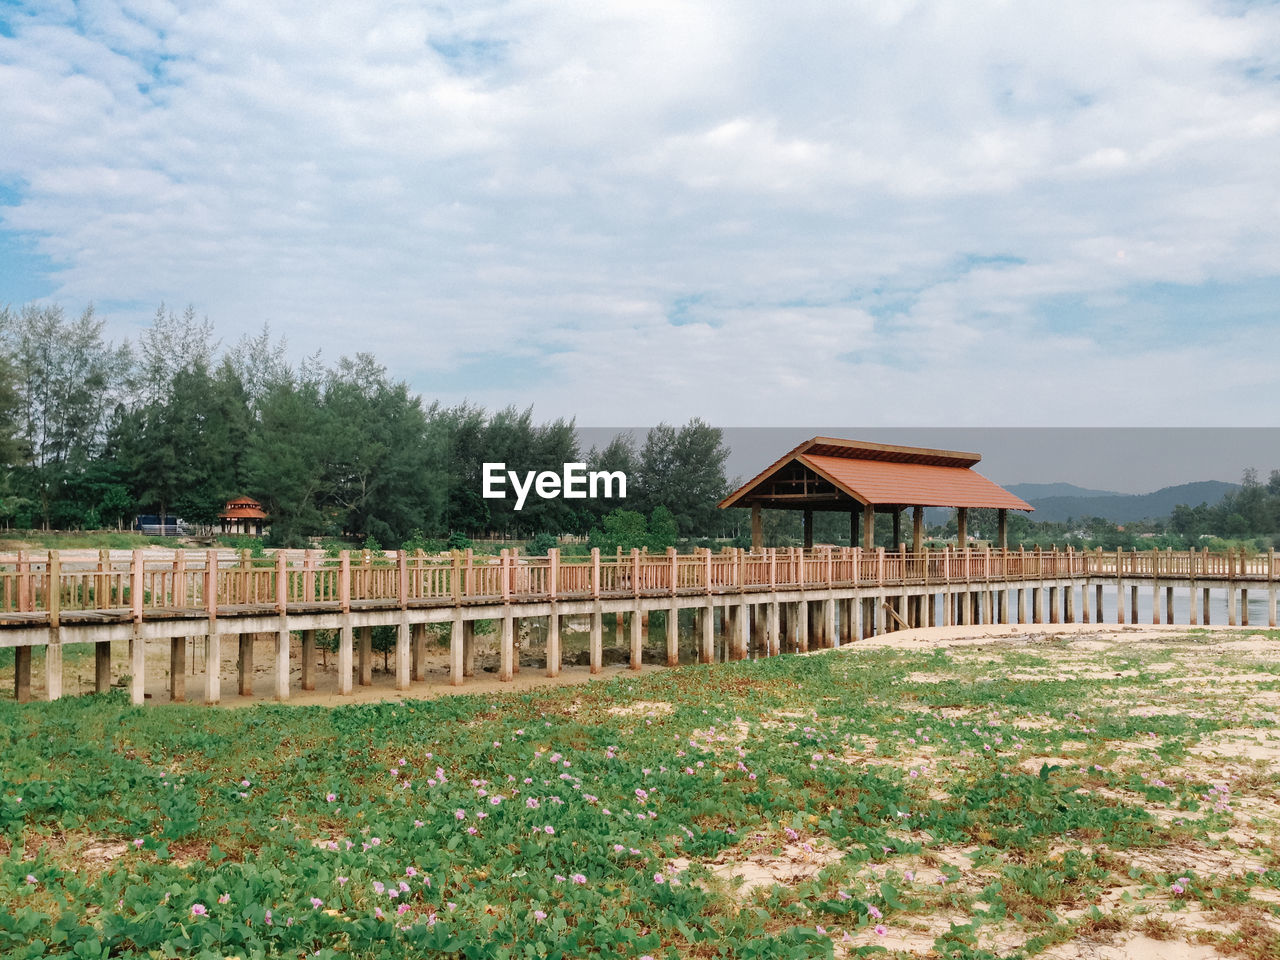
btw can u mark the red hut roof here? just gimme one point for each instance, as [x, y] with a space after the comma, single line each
[243, 508]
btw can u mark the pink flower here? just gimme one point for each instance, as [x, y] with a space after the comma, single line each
[402, 909]
[138, 843]
[244, 783]
[316, 903]
[578, 878]
[549, 829]
[267, 918]
[197, 909]
[225, 898]
[539, 915]
[659, 878]
[880, 929]
[460, 814]
[379, 887]
[875, 912]
[472, 830]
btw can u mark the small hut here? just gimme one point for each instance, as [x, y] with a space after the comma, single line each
[244, 515]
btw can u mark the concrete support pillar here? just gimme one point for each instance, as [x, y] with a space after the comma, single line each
[1231, 605]
[988, 606]
[102, 666]
[53, 669]
[1022, 604]
[1204, 611]
[829, 638]
[1053, 604]
[137, 669]
[857, 626]
[177, 669]
[213, 665]
[418, 670]
[554, 656]
[706, 630]
[1244, 606]
[1119, 603]
[468, 648]
[773, 640]
[619, 636]
[245, 666]
[1271, 606]
[1195, 607]
[1098, 597]
[457, 663]
[930, 610]
[308, 659]
[345, 666]
[366, 656]
[1069, 603]
[283, 641]
[507, 646]
[1168, 605]
[802, 621]
[1084, 603]
[596, 640]
[1155, 601]
[1133, 603]
[742, 625]
[637, 639]
[966, 609]
[948, 609]
[673, 636]
[22, 674]
[880, 615]
[403, 653]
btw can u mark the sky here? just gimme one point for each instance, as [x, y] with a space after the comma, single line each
[886, 214]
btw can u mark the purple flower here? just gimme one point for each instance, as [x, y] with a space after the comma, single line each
[197, 909]
[316, 903]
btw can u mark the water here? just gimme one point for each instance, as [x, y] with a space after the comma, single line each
[1258, 605]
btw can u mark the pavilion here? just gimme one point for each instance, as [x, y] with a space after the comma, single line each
[864, 479]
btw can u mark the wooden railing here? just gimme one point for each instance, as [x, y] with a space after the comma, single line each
[150, 584]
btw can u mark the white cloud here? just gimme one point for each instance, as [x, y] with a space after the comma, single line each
[818, 184]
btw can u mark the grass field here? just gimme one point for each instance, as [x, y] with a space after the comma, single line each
[1099, 795]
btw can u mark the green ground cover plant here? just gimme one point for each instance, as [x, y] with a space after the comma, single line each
[1011, 798]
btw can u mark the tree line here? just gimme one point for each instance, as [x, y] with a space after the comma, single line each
[93, 433]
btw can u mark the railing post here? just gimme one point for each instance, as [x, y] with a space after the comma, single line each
[282, 583]
[506, 575]
[455, 578]
[879, 565]
[707, 569]
[402, 577]
[137, 567]
[773, 569]
[595, 573]
[309, 576]
[469, 574]
[211, 586]
[830, 571]
[635, 572]
[857, 568]
[344, 582]
[674, 567]
[986, 563]
[553, 572]
[54, 570]
[179, 578]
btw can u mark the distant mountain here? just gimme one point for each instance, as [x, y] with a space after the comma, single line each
[1040, 491]
[1121, 507]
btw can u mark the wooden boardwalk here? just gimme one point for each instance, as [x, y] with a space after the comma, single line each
[764, 601]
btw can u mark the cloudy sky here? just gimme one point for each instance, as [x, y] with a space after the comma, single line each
[766, 214]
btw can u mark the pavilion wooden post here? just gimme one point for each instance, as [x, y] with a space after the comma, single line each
[1002, 527]
[807, 518]
[897, 526]
[962, 528]
[757, 529]
[869, 527]
[853, 528]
